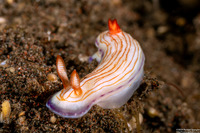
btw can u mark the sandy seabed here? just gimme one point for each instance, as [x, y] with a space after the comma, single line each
[33, 33]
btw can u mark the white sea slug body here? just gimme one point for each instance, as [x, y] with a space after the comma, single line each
[110, 85]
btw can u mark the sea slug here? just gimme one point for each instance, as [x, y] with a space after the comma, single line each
[110, 85]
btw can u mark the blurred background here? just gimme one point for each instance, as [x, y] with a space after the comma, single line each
[34, 32]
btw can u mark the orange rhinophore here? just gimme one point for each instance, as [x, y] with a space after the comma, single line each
[61, 70]
[75, 83]
[113, 26]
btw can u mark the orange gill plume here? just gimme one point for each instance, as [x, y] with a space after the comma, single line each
[113, 26]
[75, 83]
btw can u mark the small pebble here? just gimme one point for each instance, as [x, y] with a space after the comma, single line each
[83, 58]
[22, 120]
[3, 63]
[22, 113]
[6, 109]
[49, 35]
[162, 29]
[116, 2]
[53, 119]
[10, 1]
[2, 20]
[11, 69]
[52, 77]
[140, 118]
[1, 117]
[152, 112]
[132, 123]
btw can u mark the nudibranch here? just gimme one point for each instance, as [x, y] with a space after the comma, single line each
[110, 84]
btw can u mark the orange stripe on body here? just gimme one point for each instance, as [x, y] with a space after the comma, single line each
[102, 61]
[120, 59]
[83, 98]
[98, 72]
[103, 86]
